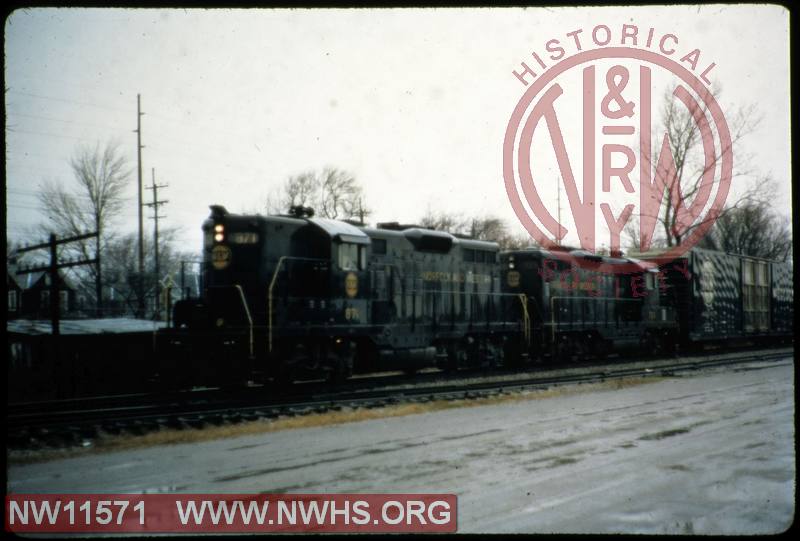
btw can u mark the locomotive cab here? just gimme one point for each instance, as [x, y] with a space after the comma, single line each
[317, 301]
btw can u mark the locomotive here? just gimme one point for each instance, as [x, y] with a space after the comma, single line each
[295, 296]
[581, 304]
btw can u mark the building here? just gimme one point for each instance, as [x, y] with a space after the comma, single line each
[29, 294]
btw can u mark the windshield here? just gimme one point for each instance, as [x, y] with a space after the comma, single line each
[351, 256]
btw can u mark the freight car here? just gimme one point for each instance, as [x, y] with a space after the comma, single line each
[295, 296]
[719, 297]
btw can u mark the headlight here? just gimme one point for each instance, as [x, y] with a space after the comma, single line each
[219, 228]
[219, 237]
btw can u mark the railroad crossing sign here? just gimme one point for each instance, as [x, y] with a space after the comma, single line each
[167, 282]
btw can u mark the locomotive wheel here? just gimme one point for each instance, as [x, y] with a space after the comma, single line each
[565, 351]
[602, 348]
[457, 358]
[669, 345]
[650, 345]
[581, 350]
[451, 362]
[342, 369]
[172, 378]
[512, 355]
[284, 376]
[496, 356]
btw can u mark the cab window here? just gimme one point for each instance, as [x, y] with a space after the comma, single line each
[351, 256]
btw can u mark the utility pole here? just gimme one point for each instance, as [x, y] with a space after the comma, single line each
[558, 198]
[154, 205]
[52, 269]
[98, 284]
[139, 147]
[183, 279]
[55, 309]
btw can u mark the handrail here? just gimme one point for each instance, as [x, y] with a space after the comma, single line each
[242, 297]
[269, 297]
[272, 285]
[526, 319]
[249, 317]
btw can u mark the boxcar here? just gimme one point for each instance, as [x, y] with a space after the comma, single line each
[719, 296]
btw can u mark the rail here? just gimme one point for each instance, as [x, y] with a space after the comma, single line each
[77, 421]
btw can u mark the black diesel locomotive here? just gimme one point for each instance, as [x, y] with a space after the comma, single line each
[586, 304]
[294, 296]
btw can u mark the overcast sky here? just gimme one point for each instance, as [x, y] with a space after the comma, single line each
[414, 103]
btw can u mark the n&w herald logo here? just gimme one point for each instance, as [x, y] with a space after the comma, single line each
[586, 125]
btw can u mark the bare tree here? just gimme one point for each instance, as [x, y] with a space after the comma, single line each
[510, 241]
[338, 192]
[360, 210]
[488, 228]
[685, 164]
[92, 204]
[121, 271]
[442, 221]
[302, 189]
[332, 192]
[752, 229]
[633, 237]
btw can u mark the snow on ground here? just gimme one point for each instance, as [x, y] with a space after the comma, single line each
[707, 454]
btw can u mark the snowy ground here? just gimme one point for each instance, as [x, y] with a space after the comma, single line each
[710, 453]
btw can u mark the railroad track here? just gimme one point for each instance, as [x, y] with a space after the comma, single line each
[79, 421]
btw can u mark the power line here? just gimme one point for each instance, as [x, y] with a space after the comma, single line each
[97, 106]
[161, 116]
[27, 154]
[55, 172]
[63, 121]
[170, 142]
[35, 194]
[86, 198]
[52, 98]
[19, 206]
[58, 136]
